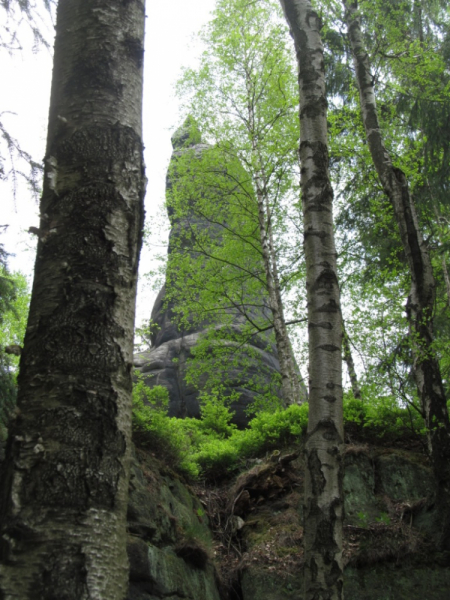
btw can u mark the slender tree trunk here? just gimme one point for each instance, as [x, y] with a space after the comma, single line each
[443, 261]
[63, 491]
[287, 369]
[323, 484]
[348, 358]
[290, 381]
[420, 305]
[298, 393]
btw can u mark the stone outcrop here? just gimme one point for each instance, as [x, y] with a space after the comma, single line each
[165, 363]
[169, 540]
[388, 530]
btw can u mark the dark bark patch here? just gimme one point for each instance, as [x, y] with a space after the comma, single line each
[324, 541]
[318, 481]
[84, 461]
[93, 71]
[60, 569]
[315, 109]
[97, 143]
[327, 280]
[330, 399]
[319, 234]
[322, 325]
[81, 334]
[333, 576]
[329, 347]
[329, 307]
[135, 50]
[313, 20]
[314, 569]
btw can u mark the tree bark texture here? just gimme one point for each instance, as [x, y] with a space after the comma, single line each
[323, 484]
[420, 305]
[64, 484]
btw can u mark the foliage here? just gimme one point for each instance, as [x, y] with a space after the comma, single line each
[154, 430]
[212, 446]
[408, 46]
[382, 414]
[14, 303]
[236, 200]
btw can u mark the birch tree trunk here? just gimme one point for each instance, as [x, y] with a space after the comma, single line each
[348, 358]
[323, 513]
[420, 305]
[65, 478]
[290, 380]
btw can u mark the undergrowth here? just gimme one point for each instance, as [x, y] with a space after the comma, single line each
[212, 446]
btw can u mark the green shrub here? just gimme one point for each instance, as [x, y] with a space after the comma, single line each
[382, 413]
[212, 444]
[281, 426]
[215, 415]
[155, 430]
[217, 456]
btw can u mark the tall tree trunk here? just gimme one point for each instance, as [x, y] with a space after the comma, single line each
[420, 305]
[64, 484]
[323, 485]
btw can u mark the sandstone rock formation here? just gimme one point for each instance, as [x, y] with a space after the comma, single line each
[169, 544]
[165, 363]
[388, 530]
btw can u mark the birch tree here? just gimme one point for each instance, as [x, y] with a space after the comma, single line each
[421, 300]
[323, 512]
[65, 478]
[243, 95]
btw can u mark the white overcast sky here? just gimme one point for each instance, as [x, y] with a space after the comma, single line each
[25, 90]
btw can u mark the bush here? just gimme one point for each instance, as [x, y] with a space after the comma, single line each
[382, 413]
[215, 415]
[212, 444]
[155, 430]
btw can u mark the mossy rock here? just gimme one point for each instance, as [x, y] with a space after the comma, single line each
[402, 478]
[158, 573]
[394, 582]
[375, 582]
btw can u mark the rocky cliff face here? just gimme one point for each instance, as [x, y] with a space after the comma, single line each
[165, 363]
[169, 540]
[257, 541]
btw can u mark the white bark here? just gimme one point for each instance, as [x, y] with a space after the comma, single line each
[323, 484]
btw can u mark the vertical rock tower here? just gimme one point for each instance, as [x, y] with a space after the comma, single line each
[165, 363]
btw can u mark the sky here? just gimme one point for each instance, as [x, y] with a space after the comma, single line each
[169, 46]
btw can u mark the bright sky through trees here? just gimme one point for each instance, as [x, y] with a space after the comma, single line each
[169, 46]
